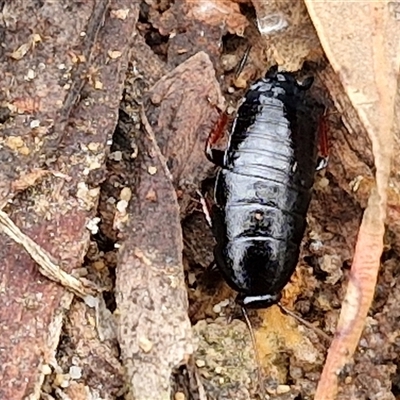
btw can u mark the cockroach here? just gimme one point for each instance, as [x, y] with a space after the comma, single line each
[264, 185]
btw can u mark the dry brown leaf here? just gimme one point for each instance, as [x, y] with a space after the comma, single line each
[184, 108]
[367, 62]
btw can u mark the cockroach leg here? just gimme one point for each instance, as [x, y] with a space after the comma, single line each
[322, 163]
[257, 354]
[212, 266]
[318, 331]
[214, 155]
[242, 62]
[323, 143]
[205, 207]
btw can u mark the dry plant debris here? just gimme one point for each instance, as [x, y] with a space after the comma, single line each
[62, 71]
[44, 261]
[185, 104]
[56, 117]
[154, 330]
[368, 67]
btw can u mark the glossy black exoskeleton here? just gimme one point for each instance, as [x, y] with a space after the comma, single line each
[263, 188]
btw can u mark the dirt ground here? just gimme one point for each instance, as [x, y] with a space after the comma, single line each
[105, 110]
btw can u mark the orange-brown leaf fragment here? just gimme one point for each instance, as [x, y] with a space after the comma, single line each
[366, 61]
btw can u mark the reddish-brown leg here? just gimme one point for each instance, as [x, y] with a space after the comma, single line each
[214, 155]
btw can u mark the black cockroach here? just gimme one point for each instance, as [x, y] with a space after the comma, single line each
[263, 187]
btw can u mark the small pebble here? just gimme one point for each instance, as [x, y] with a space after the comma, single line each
[323, 183]
[217, 309]
[126, 194]
[113, 54]
[121, 206]
[75, 372]
[145, 344]
[34, 124]
[62, 380]
[348, 380]
[31, 74]
[230, 110]
[93, 146]
[116, 156]
[46, 370]
[191, 278]
[200, 363]
[98, 85]
[152, 170]
[92, 225]
[281, 389]
[179, 396]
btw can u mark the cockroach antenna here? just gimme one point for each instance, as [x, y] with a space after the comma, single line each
[257, 354]
[243, 61]
[318, 331]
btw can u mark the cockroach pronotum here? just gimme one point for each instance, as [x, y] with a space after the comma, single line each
[263, 187]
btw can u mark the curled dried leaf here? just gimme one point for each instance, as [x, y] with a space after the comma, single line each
[368, 68]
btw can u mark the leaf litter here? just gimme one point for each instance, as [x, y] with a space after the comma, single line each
[182, 56]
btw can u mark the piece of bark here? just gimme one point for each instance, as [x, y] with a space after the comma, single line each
[184, 111]
[149, 65]
[154, 329]
[49, 95]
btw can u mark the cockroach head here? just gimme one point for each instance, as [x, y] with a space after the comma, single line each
[288, 78]
[257, 301]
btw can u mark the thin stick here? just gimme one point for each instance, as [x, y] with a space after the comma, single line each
[257, 355]
[44, 260]
[243, 61]
[318, 331]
